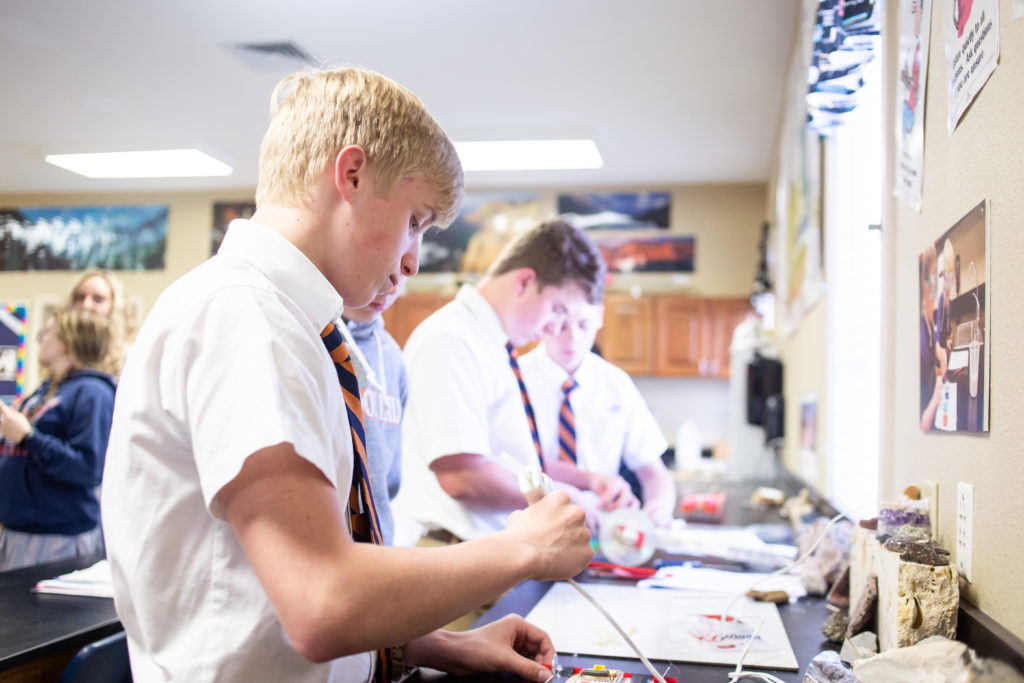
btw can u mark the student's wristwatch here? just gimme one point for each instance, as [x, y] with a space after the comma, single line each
[25, 439]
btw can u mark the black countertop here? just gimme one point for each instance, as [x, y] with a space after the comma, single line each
[33, 625]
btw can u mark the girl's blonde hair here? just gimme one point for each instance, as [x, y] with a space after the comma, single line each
[316, 113]
[87, 337]
[122, 321]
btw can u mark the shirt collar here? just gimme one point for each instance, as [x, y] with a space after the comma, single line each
[485, 314]
[582, 375]
[286, 267]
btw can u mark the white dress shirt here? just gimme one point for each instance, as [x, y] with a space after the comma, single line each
[463, 398]
[228, 362]
[613, 423]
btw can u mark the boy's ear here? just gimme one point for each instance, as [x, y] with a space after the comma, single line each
[524, 278]
[349, 170]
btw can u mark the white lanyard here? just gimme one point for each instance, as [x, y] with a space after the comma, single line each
[357, 354]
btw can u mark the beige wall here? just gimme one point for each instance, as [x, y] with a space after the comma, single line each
[983, 159]
[188, 245]
[725, 220]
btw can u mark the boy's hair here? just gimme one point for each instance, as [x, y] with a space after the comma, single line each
[316, 113]
[558, 252]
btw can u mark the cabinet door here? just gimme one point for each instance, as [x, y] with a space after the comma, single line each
[679, 332]
[625, 339]
[409, 311]
[723, 315]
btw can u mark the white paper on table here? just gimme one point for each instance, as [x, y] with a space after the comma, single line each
[676, 626]
[701, 579]
[94, 581]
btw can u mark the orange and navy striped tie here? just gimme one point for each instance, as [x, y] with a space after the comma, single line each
[567, 425]
[362, 510]
[530, 417]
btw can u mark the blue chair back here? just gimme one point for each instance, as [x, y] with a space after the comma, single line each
[105, 661]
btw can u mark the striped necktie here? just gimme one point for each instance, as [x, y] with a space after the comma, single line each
[530, 418]
[567, 425]
[362, 511]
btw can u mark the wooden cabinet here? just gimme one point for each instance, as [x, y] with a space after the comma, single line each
[665, 335]
[722, 316]
[670, 335]
[409, 311]
[625, 339]
[679, 336]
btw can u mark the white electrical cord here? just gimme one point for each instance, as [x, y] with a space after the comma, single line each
[532, 479]
[738, 673]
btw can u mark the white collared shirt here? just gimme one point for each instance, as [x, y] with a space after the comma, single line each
[463, 398]
[613, 423]
[228, 362]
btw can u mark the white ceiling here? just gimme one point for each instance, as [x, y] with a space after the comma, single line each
[673, 91]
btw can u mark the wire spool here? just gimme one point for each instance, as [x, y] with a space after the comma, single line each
[626, 536]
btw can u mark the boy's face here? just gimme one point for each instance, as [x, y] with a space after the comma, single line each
[372, 310]
[570, 343]
[541, 308]
[377, 239]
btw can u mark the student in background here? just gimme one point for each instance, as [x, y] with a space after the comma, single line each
[101, 291]
[383, 390]
[589, 410]
[53, 446]
[237, 523]
[466, 407]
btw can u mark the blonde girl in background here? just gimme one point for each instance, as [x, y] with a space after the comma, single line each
[101, 291]
[53, 446]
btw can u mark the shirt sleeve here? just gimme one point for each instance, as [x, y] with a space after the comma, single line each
[78, 457]
[446, 408]
[644, 442]
[255, 379]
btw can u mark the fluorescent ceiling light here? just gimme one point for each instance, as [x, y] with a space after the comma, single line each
[164, 163]
[528, 155]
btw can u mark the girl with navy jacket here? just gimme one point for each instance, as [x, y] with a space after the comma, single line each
[53, 447]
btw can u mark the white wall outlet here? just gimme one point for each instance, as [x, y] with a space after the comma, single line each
[964, 528]
[930, 490]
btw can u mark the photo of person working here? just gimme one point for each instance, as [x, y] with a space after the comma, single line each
[236, 476]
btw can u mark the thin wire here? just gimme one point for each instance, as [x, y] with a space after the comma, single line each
[618, 628]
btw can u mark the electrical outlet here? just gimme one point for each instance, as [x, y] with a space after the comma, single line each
[964, 528]
[930, 490]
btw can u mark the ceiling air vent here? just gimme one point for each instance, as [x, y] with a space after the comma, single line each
[272, 56]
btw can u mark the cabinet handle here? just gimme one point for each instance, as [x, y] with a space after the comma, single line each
[702, 366]
[714, 366]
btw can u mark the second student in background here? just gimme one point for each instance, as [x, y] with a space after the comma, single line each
[590, 413]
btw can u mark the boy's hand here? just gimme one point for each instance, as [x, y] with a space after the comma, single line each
[613, 491]
[555, 533]
[509, 644]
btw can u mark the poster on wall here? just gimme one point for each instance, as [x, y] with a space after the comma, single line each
[223, 214]
[798, 208]
[972, 51]
[617, 210]
[13, 319]
[486, 223]
[915, 29]
[809, 437]
[646, 251]
[798, 277]
[953, 276]
[83, 237]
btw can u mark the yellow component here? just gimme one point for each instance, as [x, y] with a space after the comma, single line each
[599, 667]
